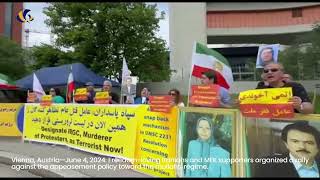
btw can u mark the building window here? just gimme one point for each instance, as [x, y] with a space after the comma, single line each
[8, 20]
[297, 12]
[242, 72]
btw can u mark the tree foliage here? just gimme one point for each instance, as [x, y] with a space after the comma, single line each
[302, 60]
[12, 61]
[49, 56]
[102, 34]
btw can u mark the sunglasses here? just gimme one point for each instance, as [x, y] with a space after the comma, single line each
[270, 70]
[173, 94]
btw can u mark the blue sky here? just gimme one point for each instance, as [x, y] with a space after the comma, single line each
[43, 37]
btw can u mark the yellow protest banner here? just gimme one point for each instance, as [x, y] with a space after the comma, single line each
[266, 96]
[156, 142]
[147, 139]
[93, 128]
[8, 116]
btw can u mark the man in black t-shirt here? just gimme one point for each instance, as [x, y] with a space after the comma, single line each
[273, 74]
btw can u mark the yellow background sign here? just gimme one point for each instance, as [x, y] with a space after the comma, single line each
[156, 142]
[102, 95]
[98, 129]
[81, 91]
[133, 133]
[266, 96]
[46, 98]
[8, 116]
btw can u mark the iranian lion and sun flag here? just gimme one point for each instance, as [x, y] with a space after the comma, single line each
[205, 59]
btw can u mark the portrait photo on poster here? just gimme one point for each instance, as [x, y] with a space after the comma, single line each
[206, 143]
[283, 148]
[129, 89]
[267, 54]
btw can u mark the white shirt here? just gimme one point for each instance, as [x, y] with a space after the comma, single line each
[129, 90]
[181, 104]
[143, 100]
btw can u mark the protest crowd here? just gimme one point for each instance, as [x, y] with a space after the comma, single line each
[273, 76]
[277, 95]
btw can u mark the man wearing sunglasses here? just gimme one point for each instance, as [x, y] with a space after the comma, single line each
[273, 75]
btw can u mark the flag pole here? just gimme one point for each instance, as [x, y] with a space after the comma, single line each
[28, 95]
[72, 97]
[69, 99]
[67, 91]
[193, 51]
[125, 72]
[121, 97]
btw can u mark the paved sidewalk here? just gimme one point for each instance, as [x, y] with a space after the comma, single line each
[13, 148]
[7, 171]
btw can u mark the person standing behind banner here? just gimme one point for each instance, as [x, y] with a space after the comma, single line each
[203, 151]
[273, 74]
[107, 87]
[264, 81]
[31, 93]
[177, 98]
[144, 99]
[128, 91]
[56, 95]
[90, 94]
[285, 78]
[209, 77]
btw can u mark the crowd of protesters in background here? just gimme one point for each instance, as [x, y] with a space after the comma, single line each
[273, 76]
